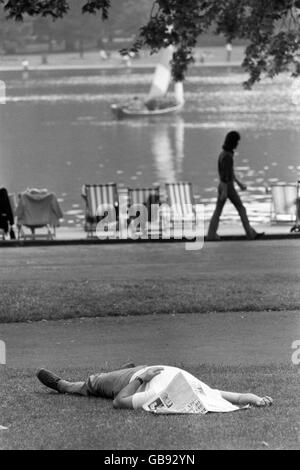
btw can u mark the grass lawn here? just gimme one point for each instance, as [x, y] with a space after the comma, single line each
[92, 282]
[74, 282]
[37, 300]
[41, 420]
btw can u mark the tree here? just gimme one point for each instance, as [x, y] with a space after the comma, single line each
[74, 28]
[13, 35]
[270, 27]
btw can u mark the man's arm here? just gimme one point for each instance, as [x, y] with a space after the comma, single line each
[241, 185]
[124, 398]
[244, 399]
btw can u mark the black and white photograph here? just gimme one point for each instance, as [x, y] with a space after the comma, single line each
[149, 227]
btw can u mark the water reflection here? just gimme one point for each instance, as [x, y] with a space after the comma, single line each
[168, 150]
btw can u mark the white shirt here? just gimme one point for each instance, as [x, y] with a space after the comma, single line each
[212, 399]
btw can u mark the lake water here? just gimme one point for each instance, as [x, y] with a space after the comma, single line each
[57, 132]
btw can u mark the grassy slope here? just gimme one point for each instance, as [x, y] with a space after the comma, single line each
[39, 299]
[55, 283]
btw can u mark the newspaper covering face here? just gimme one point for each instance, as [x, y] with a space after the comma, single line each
[177, 397]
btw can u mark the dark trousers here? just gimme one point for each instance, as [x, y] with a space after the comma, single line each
[228, 191]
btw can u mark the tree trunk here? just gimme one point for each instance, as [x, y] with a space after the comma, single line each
[81, 48]
[69, 45]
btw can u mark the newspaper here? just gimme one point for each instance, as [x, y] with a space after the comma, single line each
[178, 397]
[2, 428]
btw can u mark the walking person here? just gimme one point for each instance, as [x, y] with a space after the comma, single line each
[227, 189]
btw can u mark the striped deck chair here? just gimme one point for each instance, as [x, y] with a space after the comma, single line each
[95, 197]
[146, 197]
[283, 207]
[180, 204]
[12, 200]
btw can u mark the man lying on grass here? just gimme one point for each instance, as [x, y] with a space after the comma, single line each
[133, 387]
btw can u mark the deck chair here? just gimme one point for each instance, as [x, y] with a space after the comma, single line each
[146, 197]
[96, 197]
[38, 209]
[180, 205]
[283, 205]
[13, 204]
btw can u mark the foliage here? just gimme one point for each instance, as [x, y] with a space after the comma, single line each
[71, 28]
[270, 27]
[13, 35]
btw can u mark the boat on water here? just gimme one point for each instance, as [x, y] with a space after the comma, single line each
[157, 103]
[125, 111]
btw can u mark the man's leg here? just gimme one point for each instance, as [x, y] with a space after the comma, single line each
[85, 389]
[214, 223]
[236, 201]
[73, 388]
[244, 399]
[54, 382]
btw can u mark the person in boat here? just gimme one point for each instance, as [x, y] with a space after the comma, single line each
[226, 189]
[133, 386]
[136, 104]
[154, 104]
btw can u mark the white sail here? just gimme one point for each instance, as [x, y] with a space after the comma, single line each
[154, 104]
[162, 77]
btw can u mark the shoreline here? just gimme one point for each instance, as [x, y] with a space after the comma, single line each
[214, 56]
[76, 236]
[108, 67]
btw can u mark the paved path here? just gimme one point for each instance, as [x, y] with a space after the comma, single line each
[76, 235]
[230, 339]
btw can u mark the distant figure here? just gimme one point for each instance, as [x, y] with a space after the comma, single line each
[6, 214]
[126, 59]
[25, 66]
[202, 58]
[227, 190]
[228, 51]
[136, 104]
[103, 54]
